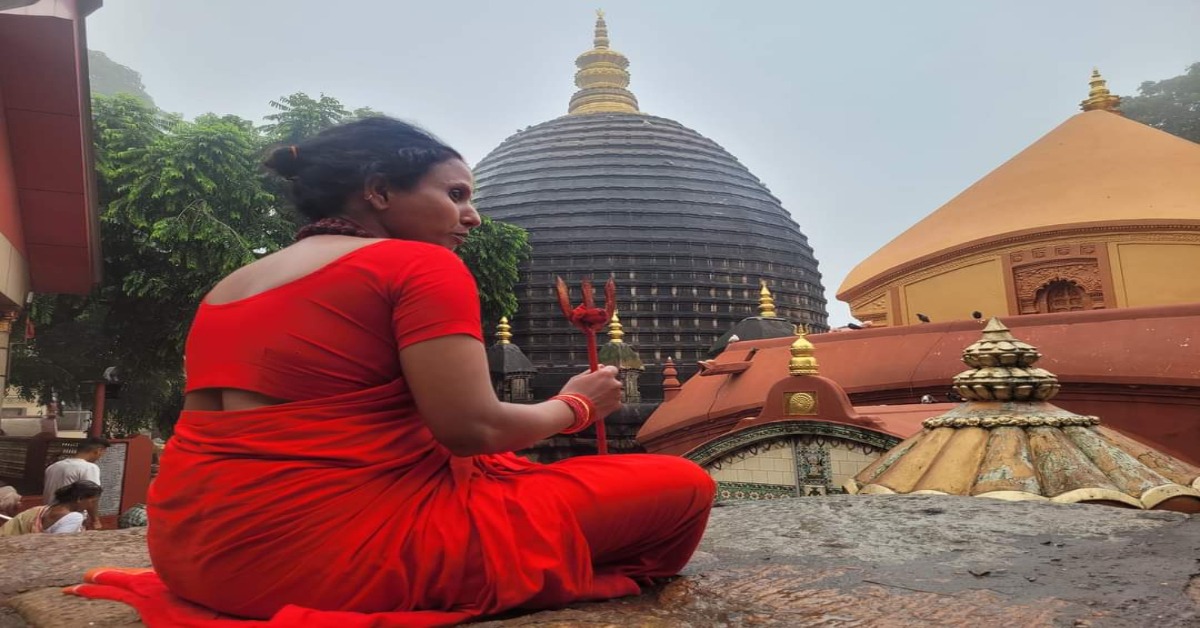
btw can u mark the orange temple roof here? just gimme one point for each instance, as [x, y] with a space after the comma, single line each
[1096, 169]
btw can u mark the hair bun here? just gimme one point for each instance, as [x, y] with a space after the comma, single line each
[284, 161]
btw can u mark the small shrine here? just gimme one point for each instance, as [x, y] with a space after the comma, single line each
[616, 352]
[768, 324]
[765, 422]
[512, 373]
[1007, 441]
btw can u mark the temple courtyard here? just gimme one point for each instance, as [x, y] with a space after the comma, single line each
[920, 560]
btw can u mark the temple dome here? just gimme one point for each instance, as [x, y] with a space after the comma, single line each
[1096, 171]
[686, 230]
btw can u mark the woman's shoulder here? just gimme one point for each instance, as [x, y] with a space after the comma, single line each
[422, 252]
[408, 260]
[70, 522]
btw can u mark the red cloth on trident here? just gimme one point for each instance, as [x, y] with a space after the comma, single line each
[590, 319]
[341, 509]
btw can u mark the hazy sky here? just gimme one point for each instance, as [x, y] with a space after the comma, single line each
[862, 117]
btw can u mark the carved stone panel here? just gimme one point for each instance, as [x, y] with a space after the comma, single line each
[1033, 279]
[873, 309]
[801, 403]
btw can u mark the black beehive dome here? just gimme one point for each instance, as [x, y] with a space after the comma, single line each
[684, 228]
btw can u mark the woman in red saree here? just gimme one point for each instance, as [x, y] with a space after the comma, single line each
[342, 456]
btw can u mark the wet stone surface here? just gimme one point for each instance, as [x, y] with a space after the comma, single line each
[832, 561]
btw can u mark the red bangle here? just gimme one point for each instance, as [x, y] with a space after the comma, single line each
[583, 409]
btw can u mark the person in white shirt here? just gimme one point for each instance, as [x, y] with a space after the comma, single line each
[81, 466]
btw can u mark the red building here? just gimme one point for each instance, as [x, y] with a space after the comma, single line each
[49, 230]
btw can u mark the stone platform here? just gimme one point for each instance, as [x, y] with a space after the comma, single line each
[828, 561]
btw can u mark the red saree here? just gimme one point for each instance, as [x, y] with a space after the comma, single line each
[344, 510]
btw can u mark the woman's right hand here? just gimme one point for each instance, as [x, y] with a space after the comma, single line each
[602, 387]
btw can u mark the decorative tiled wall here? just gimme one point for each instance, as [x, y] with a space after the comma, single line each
[792, 466]
[773, 464]
[846, 462]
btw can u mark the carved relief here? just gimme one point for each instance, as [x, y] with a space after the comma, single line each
[872, 309]
[1033, 279]
[800, 404]
[1087, 249]
[1062, 250]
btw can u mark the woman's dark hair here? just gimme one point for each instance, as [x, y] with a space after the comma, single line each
[325, 169]
[75, 491]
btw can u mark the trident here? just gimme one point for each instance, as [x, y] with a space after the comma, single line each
[590, 319]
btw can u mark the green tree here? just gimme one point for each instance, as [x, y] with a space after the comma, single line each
[1172, 105]
[364, 112]
[299, 116]
[494, 252]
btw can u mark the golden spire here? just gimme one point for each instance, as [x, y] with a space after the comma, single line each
[766, 303]
[603, 78]
[1099, 98]
[600, 39]
[503, 331]
[615, 334]
[804, 361]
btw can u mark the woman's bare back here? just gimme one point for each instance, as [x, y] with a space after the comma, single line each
[277, 269]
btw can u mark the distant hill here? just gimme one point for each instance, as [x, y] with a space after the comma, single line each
[110, 78]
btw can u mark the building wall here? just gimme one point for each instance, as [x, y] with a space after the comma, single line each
[14, 271]
[955, 294]
[1156, 273]
[1106, 270]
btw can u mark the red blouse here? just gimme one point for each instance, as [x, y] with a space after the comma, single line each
[336, 330]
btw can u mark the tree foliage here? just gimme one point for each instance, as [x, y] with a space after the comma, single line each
[184, 203]
[1172, 105]
[299, 115]
[493, 252]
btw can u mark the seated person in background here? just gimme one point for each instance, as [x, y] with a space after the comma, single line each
[81, 466]
[10, 501]
[67, 515]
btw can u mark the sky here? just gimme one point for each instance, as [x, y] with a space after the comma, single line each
[861, 116]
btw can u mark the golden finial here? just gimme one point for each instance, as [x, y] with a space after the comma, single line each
[503, 331]
[804, 361]
[766, 303]
[615, 334]
[1099, 98]
[600, 40]
[602, 78]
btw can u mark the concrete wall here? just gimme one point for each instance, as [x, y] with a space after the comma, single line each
[955, 294]
[1149, 273]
